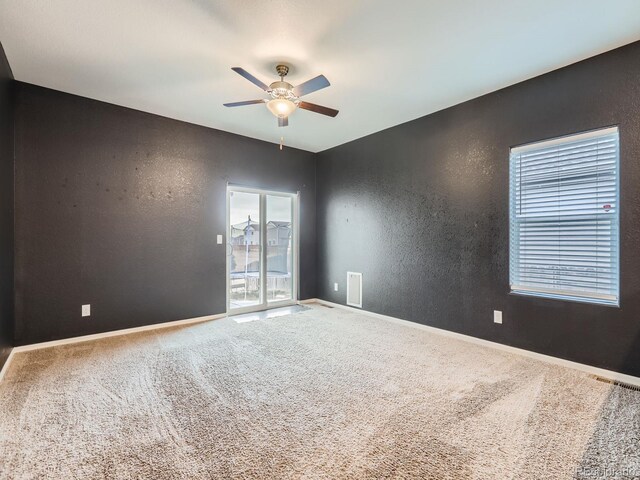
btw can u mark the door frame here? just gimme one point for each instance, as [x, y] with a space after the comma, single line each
[295, 261]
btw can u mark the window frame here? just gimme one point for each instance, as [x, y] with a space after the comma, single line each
[566, 295]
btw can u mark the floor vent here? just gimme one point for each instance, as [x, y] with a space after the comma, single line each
[628, 386]
[354, 289]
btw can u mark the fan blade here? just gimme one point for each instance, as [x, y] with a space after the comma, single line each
[318, 109]
[311, 86]
[283, 121]
[251, 78]
[240, 104]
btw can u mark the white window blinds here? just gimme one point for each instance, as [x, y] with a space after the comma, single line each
[564, 210]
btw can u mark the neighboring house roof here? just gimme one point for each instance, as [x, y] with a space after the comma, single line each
[255, 225]
[279, 224]
[243, 225]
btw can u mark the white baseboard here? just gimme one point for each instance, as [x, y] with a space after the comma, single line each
[5, 367]
[97, 336]
[115, 333]
[600, 372]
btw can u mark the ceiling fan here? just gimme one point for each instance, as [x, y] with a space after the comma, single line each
[285, 98]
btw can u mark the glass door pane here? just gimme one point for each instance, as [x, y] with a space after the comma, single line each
[244, 261]
[279, 223]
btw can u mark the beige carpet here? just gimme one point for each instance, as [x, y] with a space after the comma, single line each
[324, 393]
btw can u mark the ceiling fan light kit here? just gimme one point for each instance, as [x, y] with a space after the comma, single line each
[285, 98]
[281, 107]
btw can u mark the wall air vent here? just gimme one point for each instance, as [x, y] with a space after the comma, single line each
[354, 289]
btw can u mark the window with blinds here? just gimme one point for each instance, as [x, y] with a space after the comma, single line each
[564, 211]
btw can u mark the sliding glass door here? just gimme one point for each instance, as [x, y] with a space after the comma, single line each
[244, 262]
[279, 225]
[261, 250]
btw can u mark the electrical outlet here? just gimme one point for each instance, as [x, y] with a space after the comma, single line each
[86, 310]
[497, 316]
[219, 239]
[335, 287]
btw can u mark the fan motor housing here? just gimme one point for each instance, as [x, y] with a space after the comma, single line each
[282, 89]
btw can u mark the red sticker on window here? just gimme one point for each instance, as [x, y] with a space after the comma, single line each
[607, 207]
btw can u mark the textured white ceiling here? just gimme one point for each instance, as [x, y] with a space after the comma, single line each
[388, 61]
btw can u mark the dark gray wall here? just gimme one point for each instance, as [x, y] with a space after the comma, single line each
[422, 211]
[6, 207]
[120, 209]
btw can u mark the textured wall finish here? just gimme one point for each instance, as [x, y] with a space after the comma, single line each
[6, 207]
[120, 209]
[422, 210]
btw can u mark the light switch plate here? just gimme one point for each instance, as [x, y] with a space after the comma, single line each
[497, 316]
[86, 310]
[335, 287]
[219, 239]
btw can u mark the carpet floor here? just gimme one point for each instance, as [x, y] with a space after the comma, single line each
[323, 393]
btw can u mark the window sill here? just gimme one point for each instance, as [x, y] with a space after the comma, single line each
[567, 298]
